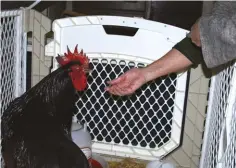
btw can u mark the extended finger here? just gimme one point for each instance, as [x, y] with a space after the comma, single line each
[122, 91]
[117, 90]
[121, 85]
[116, 81]
[114, 90]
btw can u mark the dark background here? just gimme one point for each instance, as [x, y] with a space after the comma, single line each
[179, 13]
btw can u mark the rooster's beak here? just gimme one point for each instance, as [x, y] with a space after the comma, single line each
[87, 69]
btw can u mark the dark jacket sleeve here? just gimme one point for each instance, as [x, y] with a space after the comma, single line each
[190, 50]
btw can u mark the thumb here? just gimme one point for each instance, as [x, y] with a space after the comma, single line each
[117, 80]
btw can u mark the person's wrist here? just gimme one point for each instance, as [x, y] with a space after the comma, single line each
[146, 74]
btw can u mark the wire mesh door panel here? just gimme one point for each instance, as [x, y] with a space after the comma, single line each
[219, 145]
[143, 119]
[12, 57]
[146, 124]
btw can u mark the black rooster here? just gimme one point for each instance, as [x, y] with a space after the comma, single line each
[36, 126]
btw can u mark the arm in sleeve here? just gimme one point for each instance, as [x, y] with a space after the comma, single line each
[190, 50]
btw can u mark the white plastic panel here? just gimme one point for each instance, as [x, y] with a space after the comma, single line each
[148, 124]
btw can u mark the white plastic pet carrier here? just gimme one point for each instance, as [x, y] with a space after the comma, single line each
[146, 125]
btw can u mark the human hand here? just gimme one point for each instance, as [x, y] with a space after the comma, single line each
[195, 34]
[127, 83]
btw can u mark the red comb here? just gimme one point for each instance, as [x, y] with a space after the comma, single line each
[69, 56]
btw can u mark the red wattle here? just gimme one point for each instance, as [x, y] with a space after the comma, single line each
[79, 80]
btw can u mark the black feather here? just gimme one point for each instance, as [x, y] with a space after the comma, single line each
[36, 126]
